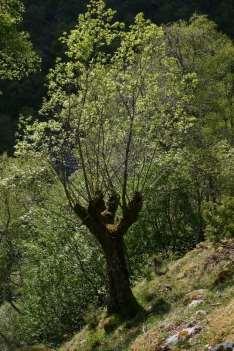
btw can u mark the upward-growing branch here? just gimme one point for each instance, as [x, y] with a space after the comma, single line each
[127, 151]
[131, 213]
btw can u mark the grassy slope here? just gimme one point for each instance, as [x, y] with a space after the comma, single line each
[205, 273]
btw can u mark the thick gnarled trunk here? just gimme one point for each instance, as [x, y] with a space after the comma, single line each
[120, 297]
[100, 219]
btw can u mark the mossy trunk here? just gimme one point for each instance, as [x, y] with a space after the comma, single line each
[120, 297]
[100, 219]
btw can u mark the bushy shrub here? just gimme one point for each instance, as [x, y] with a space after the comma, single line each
[219, 218]
[170, 221]
[61, 276]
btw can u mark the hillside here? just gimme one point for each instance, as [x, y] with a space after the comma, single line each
[116, 192]
[195, 296]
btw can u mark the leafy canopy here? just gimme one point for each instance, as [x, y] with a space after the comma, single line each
[111, 104]
[17, 57]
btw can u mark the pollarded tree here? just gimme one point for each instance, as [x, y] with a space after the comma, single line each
[111, 105]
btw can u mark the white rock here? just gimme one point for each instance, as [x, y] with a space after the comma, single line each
[183, 334]
[195, 303]
[172, 340]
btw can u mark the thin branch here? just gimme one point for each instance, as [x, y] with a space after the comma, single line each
[8, 211]
[13, 305]
[127, 151]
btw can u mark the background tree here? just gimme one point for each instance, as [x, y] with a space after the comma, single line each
[199, 47]
[173, 217]
[112, 103]
[17, 58]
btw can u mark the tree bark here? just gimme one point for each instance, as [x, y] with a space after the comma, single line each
[99, 218]
[120, 298]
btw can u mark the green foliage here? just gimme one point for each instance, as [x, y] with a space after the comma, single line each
[171, 221]
[142, 84]
[219, 218]
[17, 57]
[199, 47]
[113, 111]
[47, 20]
[94, 35]
[61, 276]
[49, 265]
[17, 61]
[10, 212]
[173, 218]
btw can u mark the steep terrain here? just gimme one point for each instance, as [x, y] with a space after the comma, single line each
[190, 307]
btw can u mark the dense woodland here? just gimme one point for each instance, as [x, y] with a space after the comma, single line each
[116, 141]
